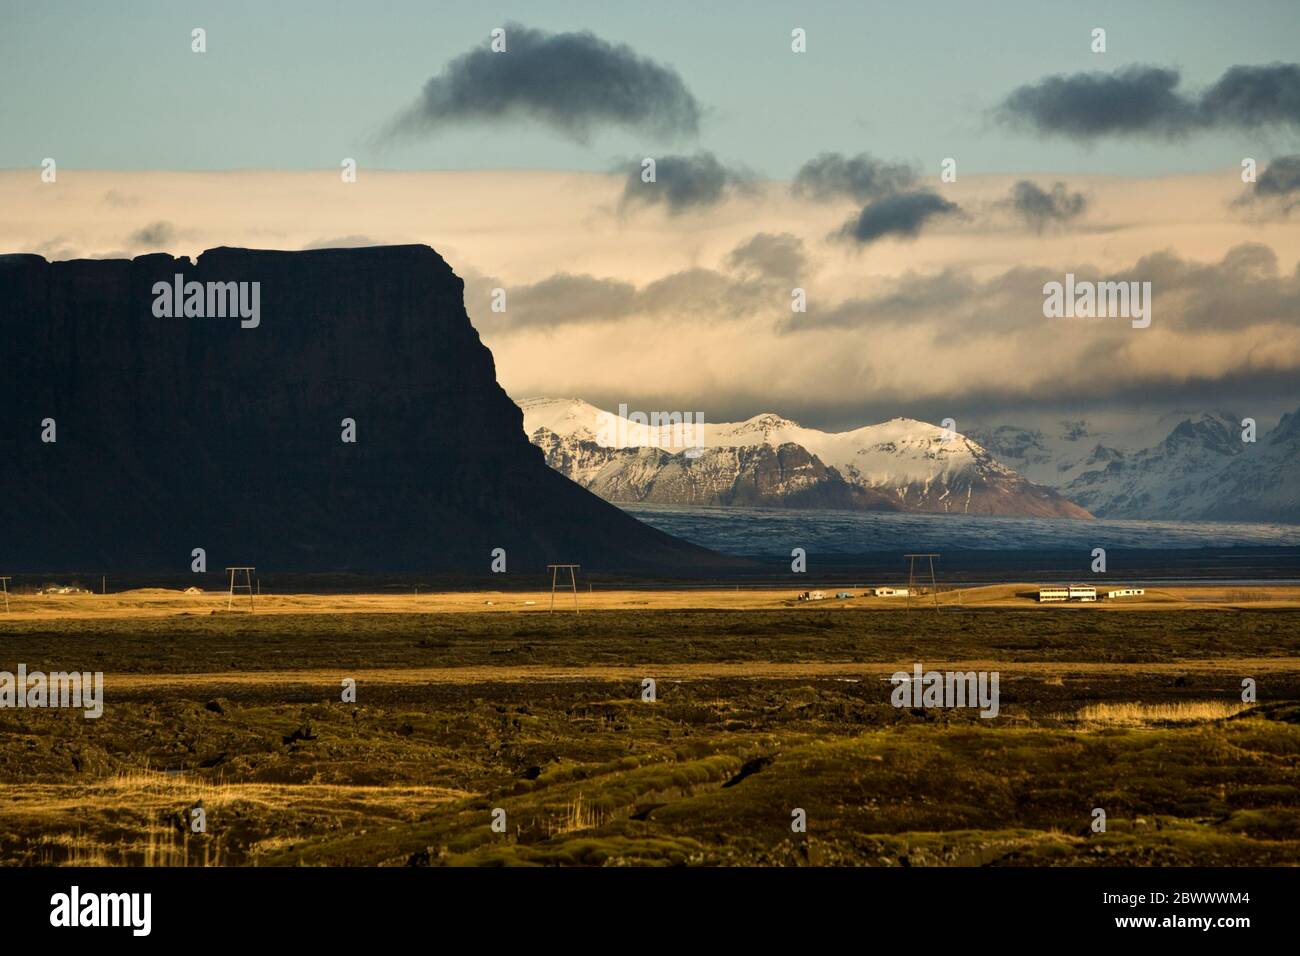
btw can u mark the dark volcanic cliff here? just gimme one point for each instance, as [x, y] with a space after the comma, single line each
[181, 433]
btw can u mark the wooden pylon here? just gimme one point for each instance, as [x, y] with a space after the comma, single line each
[573, 581]
[911, 577]
[246, 586]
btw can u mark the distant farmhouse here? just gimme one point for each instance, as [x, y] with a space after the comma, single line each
[1077, 592]
[1073, 592]
[891, 592]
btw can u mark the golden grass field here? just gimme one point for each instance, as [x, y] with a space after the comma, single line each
[162, 601]
[763, 704]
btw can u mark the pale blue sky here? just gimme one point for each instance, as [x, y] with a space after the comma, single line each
[294, 85]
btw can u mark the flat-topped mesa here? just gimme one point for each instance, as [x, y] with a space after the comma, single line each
[174, 429]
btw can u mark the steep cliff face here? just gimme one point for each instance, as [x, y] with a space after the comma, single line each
[178, 433]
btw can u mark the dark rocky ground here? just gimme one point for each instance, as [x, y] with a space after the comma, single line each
[242, 715]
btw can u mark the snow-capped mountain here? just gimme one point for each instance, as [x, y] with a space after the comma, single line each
[899, 465]
[1189, 466]
[1263, 482]
[785, 475]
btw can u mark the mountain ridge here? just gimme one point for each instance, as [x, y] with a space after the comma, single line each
[1200, 468]
[897, 465]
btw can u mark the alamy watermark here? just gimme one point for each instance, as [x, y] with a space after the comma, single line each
[58, 689]
[75, 908]
[209, 300]
[924, 688]
[671, 431]
[1084, 299]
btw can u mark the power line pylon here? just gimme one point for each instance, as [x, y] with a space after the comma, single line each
[573, 580]
[246, 586]
[911, 577]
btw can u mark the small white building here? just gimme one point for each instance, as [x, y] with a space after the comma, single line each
[1126, 592]
[891, 592]
[812, 595]
[1073, 592]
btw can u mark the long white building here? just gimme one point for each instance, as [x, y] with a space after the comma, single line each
[1071, 592]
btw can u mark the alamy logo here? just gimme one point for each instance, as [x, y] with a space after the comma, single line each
[57, 689]
[209, 300]
[1098, 300]
[74, 908]
[671, 431]
[946, 689]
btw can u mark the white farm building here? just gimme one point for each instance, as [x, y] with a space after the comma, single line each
[1072, 592]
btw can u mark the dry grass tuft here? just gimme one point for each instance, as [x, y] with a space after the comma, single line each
[577, 816]
[1136, 714]
[157, 846]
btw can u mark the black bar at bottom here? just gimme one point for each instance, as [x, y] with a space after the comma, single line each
[223, 906]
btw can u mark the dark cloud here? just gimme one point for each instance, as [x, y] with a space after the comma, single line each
[1145, 100]
[560, 299]
[894, 207]
[909, 298]
[1253, 97]
[683, 183]
[694, 292]
[1277, 187]
[759, 274]
[1244, 292]
[567, 299]
[1136, 99]
[1281, 178]
[861, 177]
[770, 255]
[572, 82]
[952, 334]
[901, 215]
[952, 304]
[1262, 388]
[1245, 289]
[154, 235]
[1041, 208]
[563, 298]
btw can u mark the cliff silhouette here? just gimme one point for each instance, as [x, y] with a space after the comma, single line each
[175, 433]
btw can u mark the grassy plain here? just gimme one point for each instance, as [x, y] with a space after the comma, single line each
[762, 709]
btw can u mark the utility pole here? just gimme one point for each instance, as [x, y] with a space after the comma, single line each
[911, 577]
[246, 586]
[573, 580]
